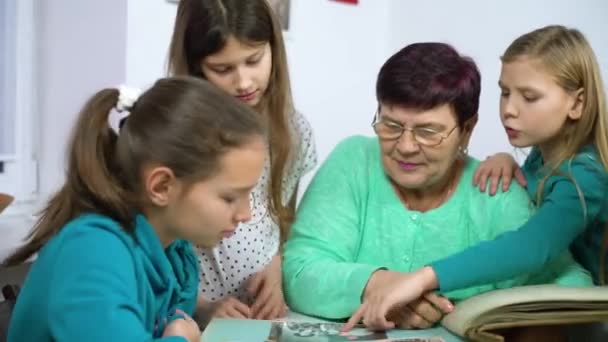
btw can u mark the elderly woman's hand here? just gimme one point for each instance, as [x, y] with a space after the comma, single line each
[386, 291]
[497, 167]
[422, 313]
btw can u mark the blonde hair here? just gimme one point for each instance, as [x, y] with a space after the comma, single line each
[567, 55]
[202, 28]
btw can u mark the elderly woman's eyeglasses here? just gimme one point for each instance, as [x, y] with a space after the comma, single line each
[390, 130]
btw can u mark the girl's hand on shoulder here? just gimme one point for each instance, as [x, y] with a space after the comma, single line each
[501, 166]
[266, 287]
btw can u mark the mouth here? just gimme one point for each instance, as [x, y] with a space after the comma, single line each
[247, 97]
[408, 166]
[511, 133]
[228, 233]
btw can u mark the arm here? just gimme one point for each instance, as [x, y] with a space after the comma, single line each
[321, 275]
[558, 221]
[94, 297]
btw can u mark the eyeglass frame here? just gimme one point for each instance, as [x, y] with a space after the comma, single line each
[377, 120]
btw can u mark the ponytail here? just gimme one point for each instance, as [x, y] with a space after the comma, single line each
[91, 183]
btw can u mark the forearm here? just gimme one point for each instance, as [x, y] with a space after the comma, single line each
[514, 253]
[326, 289]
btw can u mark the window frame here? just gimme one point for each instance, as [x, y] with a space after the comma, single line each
[19, 176]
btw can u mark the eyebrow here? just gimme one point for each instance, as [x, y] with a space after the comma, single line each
[421, 125]
[253, 55]
[520, 89]
[245, 188]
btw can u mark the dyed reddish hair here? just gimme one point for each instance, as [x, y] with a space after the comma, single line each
[426, 75]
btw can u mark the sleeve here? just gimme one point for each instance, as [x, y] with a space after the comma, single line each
[95, 296]
[572, 200]
[490, 221]
[306, 148]
[320, 274]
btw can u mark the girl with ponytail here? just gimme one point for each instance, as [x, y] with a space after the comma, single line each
[145, 174]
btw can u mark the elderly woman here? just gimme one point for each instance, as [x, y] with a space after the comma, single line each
[381, 207]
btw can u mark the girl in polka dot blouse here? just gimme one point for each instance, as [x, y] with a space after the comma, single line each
[238, 46]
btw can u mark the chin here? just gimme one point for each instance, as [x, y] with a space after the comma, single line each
[207, 243]
[518, 144]
[408, 182]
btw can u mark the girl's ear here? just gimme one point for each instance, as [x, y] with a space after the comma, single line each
[576, 111]
[159, 183]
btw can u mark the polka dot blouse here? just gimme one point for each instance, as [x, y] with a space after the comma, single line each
[225, 269]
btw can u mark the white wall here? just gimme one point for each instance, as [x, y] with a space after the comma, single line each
[335, 51]
[149, 29]
[82, 49]
[483, 30]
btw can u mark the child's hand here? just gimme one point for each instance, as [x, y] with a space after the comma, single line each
[422, 313]
[185, 327]
[230, 307]
[500, 165]
[267, 289]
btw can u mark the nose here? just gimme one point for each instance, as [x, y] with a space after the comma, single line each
[243, 80]
[406, 144]
[507, 108]
[243, 213]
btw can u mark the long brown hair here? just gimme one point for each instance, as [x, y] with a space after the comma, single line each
[185, 124]
[202, 28]
[567, 55]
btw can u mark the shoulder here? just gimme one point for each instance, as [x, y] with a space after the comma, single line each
[305, 151]
[357, 146]
[583, 173]
[516, 195]
[302, 133]
[586, 165]
[93, 238]
[300, 124]
[348, 163]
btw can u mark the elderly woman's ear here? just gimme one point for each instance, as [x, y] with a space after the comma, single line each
[467, 130]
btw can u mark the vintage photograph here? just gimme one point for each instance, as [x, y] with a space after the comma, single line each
[291, 331]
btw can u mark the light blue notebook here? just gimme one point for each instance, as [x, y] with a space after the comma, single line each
[242, 330]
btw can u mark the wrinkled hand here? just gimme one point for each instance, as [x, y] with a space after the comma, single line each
[422, 313]
[266, 287]
[184, 327]
[497, 167]
[387, 291]
[230, 307]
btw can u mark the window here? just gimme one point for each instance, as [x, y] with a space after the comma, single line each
[18, 98]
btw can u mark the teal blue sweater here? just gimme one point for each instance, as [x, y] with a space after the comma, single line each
[573, 213]
[94, 281]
